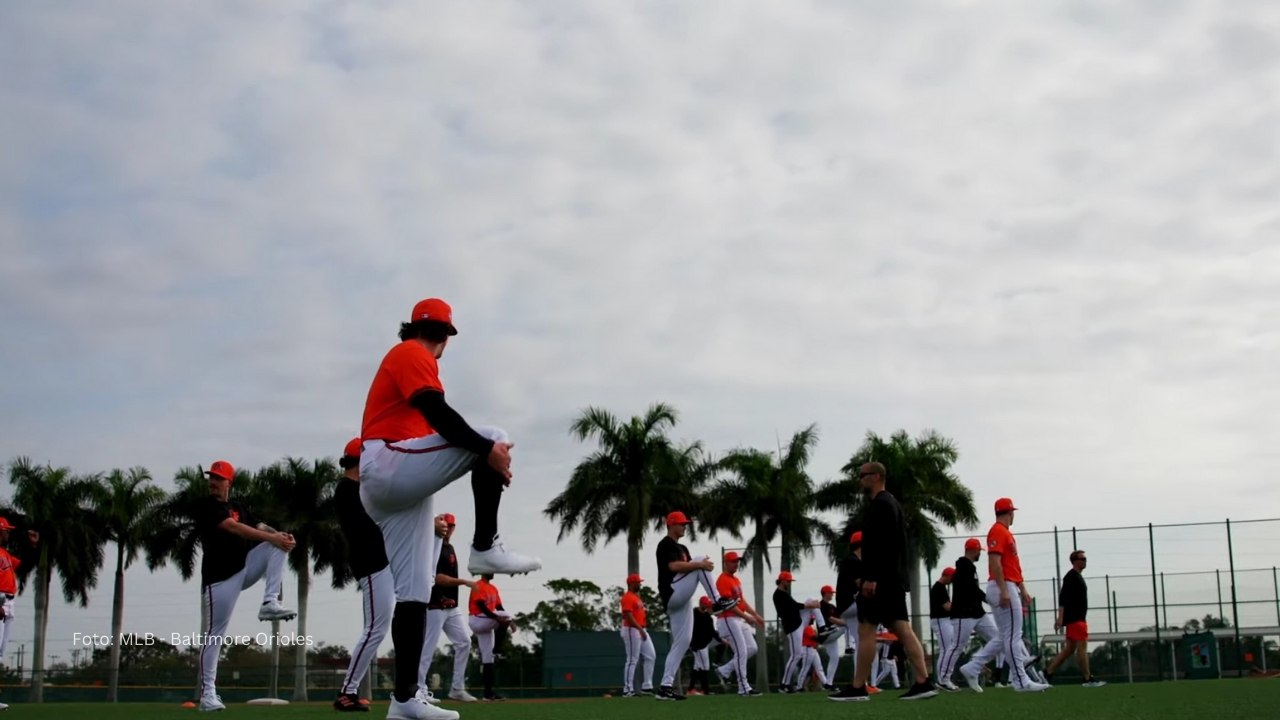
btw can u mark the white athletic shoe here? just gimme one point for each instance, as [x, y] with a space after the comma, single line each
[461, 696]
[497, 560]
[211, 703]
[425, 696]
[415, 708]
[275, 611]
[971, 680]
[1032, 687]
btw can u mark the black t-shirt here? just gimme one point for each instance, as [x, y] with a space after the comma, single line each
[704, 630]
[884, 544]
[850, 574]
[222, 553]
[788, 610]
[1073, 598]
[447, 566]
[669, 551]
[938, 598]
[966, 595]
[828, 611]
[366, 553]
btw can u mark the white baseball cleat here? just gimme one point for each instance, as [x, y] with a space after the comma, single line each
[461, 696]
[425, 696]
[275, 611]
[415, 708]
[211, 703]
[1032, 687]
[497, 560]
[971, 680]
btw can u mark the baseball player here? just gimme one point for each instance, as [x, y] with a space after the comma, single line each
[679, 574]
[940, 621]
[735, 626]
[1073, 606]
[368, 560]
[1007, 595]
[831, 644]
[886, 663]
[968, 617]
[9, 564]
[883, 595]
[636, 640]
[487, 618]
[445, 617]
[415, 445]
[704, 636]
[810, 662]
[848, 581]
[789, 610]
[235, 553]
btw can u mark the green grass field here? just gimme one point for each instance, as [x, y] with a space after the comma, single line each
[1193, 700]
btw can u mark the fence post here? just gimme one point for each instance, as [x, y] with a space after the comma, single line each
[1057, 556]
[1235, 610]
[1221, 613]
[1155, 600]
[1110, 627]
[1075, 544]
[1115, 610]
[1164, 600]
[1274, 581]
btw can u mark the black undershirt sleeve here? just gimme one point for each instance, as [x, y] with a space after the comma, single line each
[484, 610]
[446, 421]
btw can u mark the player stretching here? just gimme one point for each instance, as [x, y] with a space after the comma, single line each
[679, 575]
[848, 581]
[940, 620]
[415, 445]
[368, 560]
[445, 617]
[235, 553]
[636, 640]
[788, 609]
[704, 636]
[883, 598]
[735, 626]
[1073, 605]
[831, 645]
[1007, 595]
[488, 618]
[9, 565]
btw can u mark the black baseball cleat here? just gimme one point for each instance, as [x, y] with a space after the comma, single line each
[829, 688]
[647, 692]
[920, 691]
[785, 689]
[666, 693]
[724, 603]
[825, 633]
[851, 694]
[349, 702]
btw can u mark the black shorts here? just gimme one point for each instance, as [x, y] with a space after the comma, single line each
[885, 608]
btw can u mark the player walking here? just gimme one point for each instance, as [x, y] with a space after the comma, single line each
[445, 617]
[735, 625]
[636, 640]
[968, 617]
[235, 553]
[9, 564]
[883, 597]
[368, 560]
[1073, 606]
[940, 620]
[789, 609]
[679, 575]
[811, 662]
[488, 617]
[415, 445]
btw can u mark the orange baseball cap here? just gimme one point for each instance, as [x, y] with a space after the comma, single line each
[948, 572]
[826, 589]
[4, 524]
[449, 519]
[677, 518]
[221, 469]
[436, 310]
[973, 544]
[705, 601]
[856, 538]
[353, 448]
[785, 575]
[1004, 505]
[634, 578]
[732, 556]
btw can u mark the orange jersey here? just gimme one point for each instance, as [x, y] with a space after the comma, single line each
[486, 593]
[731, 587]
[8, 572]
[632, 602]
[407, 369]
[1000, 542]
[810, 638]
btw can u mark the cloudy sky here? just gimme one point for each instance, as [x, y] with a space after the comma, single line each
[1046, 231]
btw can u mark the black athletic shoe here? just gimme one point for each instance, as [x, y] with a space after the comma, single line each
[829, 688]
[851, 694]
[825, 633]
[647, 692]
[724, 603]
[667, 693]
[349, 702]
[920, 691]
[785, 689]
[750, 693]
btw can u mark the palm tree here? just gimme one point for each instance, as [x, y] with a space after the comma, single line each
[297, 497]
[921, 478]
[125, 502]
[58, 505]
[772, 496]
[631, 482]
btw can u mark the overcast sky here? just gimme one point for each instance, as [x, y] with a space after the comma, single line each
[1047, 231]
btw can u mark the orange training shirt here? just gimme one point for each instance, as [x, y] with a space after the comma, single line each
[731, 587]
[407, 369]
[631, 601]
[1000, 542]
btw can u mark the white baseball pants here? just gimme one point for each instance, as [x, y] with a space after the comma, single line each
[6, 626]
[483, 628]
[964, 628]
[944, 630]
[451, 624]
[813, 615]
[397, 481]
[637, 649]
[702, 659]
[832, 648]
[218, 601]
[888, 667]
[378, 600]
[1010, 645]
[795, 653]
[741, 639]
[680, 613]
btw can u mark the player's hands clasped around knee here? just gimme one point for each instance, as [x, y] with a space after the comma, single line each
[500, 459]
[284, 541]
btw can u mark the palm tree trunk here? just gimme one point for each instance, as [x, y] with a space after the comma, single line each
[300, 659]
[635, 537]
[913, 579]
[117, 624]
[757, 578]
[42, 621]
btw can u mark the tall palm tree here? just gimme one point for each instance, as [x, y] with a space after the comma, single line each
[125, 502]
[59, 506]
[629, 484]
[920, 476]
[772, 496]
[297, 497]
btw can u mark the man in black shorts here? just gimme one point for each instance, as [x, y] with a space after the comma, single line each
[883, 597]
